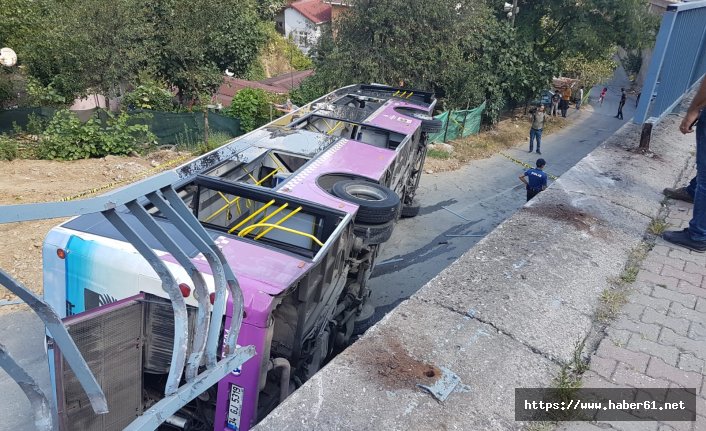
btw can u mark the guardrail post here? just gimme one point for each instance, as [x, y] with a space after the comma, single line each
[646, 135]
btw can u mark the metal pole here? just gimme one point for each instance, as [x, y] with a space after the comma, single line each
[448, 120]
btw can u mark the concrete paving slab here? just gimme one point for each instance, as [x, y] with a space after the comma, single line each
[374, 382]
[27, 349]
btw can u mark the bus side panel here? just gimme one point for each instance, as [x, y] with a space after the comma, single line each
[241, 414]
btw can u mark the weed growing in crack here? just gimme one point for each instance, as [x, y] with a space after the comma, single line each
[611, 301]
[657, 226]
[629, 274]
[579, 364]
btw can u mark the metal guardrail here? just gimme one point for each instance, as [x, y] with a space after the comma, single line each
[159, 191]
[678, 62]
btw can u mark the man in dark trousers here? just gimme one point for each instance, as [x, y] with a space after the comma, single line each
[694, 237]
[537, 119]
[623, 98]
[536, 179]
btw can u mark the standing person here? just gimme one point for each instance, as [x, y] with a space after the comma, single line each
[602, 96]
[556, 97]
[565, 97]
[638, 99]
[536, 179]
[694, 237]
[537, 118]
[623, 98]
[580, 98]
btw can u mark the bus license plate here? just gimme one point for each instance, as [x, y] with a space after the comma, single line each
[235, 407]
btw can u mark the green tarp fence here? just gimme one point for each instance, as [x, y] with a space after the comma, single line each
[458, 124]
[184, 129]
[12, 118]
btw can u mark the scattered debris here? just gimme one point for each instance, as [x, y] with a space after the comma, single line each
[443, 387]
[455, 213]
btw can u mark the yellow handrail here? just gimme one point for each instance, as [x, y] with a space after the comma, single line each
[410, 94]
[334, 128]
[266, 177]
[279, 222]
[251, 216]
[227, 205]
[250, 175]
[274, 159]
[267, 217]
[276, 226]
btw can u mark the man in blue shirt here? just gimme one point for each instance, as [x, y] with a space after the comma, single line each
[536, 179]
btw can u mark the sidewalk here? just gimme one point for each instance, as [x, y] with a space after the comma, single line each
[658, 339]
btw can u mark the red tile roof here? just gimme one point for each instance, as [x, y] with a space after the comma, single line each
[281, 84]
[314, 10]
[288, 81]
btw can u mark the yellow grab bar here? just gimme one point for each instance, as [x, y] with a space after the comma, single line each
[251, 216]
[269, 216]
[274, 159]
[334, 128]
[228, 204]
[279, 222]
[276, 226]
[254, 180]
[410, 94]
[266, 177]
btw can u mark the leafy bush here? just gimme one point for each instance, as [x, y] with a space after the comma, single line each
[8, 148]
[252, 107]
[149, 95]
[35, 124]
[67, 138]
[40, 95]
[310, 89]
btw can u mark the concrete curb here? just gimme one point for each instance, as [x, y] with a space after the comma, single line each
[506, 314]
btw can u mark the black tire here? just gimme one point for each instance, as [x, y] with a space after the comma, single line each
[374, 233]
[376, 203]
[411, 210]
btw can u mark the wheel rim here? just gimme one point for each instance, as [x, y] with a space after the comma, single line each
[365, 193]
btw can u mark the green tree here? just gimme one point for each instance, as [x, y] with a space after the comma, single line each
[592, 28]
[196, 40]
[457, 49]
[252, 106]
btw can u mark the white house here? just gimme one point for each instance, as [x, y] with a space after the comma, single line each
[303, 22]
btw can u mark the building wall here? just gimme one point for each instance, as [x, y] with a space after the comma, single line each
[304, 33]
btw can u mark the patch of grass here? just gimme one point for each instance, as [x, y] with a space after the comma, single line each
[8, 148]
[611, 301]
[657, 226]
[438, 154]
[506, 134]
[629, 274]
[579, 364]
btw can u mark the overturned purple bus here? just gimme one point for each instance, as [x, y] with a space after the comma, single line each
[299, 208]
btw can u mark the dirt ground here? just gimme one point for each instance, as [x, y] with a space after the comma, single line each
[27, 181]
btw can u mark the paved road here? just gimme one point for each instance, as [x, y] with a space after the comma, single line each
[482, 195]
